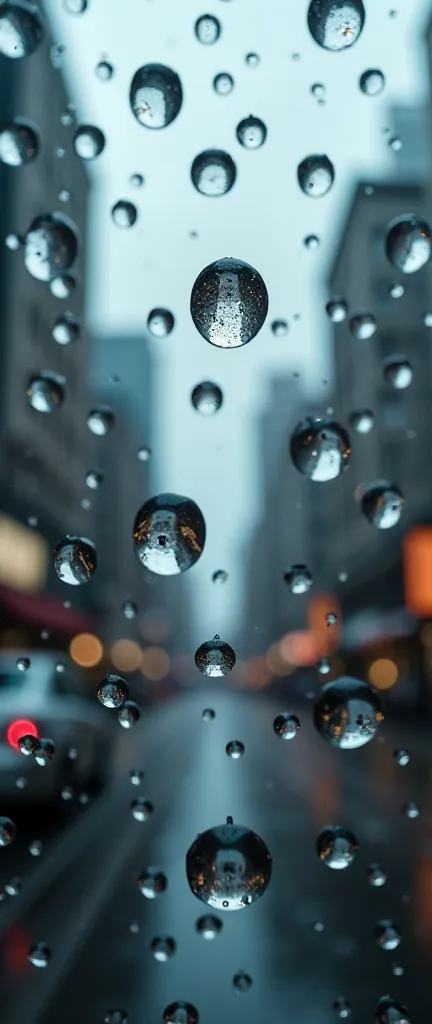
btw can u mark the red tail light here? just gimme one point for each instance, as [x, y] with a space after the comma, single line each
[21, 727]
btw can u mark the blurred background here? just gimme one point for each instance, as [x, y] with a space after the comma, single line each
[340, 314]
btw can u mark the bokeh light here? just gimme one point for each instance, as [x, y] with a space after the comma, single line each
[86, 650]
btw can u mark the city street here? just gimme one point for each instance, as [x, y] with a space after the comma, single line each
[307, 942]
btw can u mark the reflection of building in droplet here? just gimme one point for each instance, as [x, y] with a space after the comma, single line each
[383, 673]
[86, 650]
[155, 663]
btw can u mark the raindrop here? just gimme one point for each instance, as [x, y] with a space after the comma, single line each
[403, 757]
[141, 809]
[336, 847]
[20, 784]
[411, 809]
[324, 667]
[363, 326]
[180, 1013]
[207, 398]
[155, 95]
[318, 91]
[160, 322]
[347, 713]
[75, 6]
[279, 328]
[116, 1017]
[13, 887]
[66, 329]
[315, 175]
[13, 242]
[207, 29]
[112, 691]
[136, 180]
[372, 82]
[311, 242]
[51, 245]
[40, 955]
[286, 725]
[298, 579]
[320, 449]
[213, 172]
[342, 1008]
[75, 560]
[220, 576]
[152, 883]
[228, 867]
[104, 70]
[398, 372]
[129, 609]
[28, 744]
[136, 776]
[19, 143]
[387, 934]
[389, 1011]
[129, 714]
[169, 534]
[252, 60]
[330, 618]
[163, 948]
[229, 303]
[7, 831]
[94, 479]
[251, 132]
[336, 24]
[64, 195]
[208, 926]
[124, 214]
[100, 421]
[144, 453]
[395, 143]
[36, 847]
[408, 243]
[376, 875]
[362, 421]
[337, 310]
[223, 83]
[62, 286]
[44, 752]
[382, 503]
[46, 391]
[208, 715]
[215, 658]
[235, 749]
[21, 30]
[23, 664]
[242, 981]
[88, 141]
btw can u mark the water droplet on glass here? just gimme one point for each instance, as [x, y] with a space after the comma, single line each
[363, 326]
[7, 831]
[315, 175]
[398, 372]
[180, 1013]
[228, 867]
[19, 142]
[160, 322]
[40, 955]
[207, 29]
[286, 725]
[208, 926]
[152, 883]
[129, 609]
[44, 752]
[337, 310]
[62, 286]
[124, 214]
[136, 180]
[223, 83]
[242, 982]
[46, 391]
[342, 1008]
[220, 576]
[279, 328]
[21, 30]
[23, 664]
[155, 95]
[94, 479]
[207, 398]
[395, 143]
[320, 449]
[169, 534]
[323, 666]
[335, 24]
[51, 245]
[318, 91]
[298, 579]
[112, 691]
[13, 242]
[75, 560]
[116, 1017]
[382, 503]
[163, 948]
[213, 172]
[208, 715]
[36, 847]
[252, 60]
[28, 744]
[66, 329]
[75, 6]
[330, 619]
[88, 141]
[144, 453]
[408, 243]
[362, 421]
[235, 749]
[136, 776]
[104, 70]
[141, 809]
[311, 242]
[100, 421]
[347, 713]
[376, 876]
[14, 886]
[403, 757]
[229, 303]
[411, 809]
[389, 1011]
[387, 934]
[372, 82]
[336, 847]
[215, 658]
[128, 714]
[251, 132]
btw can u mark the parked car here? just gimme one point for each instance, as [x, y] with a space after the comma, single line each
[57, 705]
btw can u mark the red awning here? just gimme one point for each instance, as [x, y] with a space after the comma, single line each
[45, 612]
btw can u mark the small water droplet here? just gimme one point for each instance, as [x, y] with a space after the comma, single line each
[75, 560]
[112, 691]
[207, 29]
[104, 70]
[124, 214]
[152, 883]
[387, 934]
[251, 132]
[207, 398]
[336, 847]
[89, 141]
[163, 948]
[382, 503]
[40, 955]
[215, 658]
[286, 725]
[316, 175]
[160, 322]
[235, 749]
[223, 83]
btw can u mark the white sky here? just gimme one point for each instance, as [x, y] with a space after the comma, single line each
[263, 220]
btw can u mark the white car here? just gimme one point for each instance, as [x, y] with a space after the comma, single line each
[56, 705]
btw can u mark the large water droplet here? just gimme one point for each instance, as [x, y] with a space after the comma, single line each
[75, 560]
[382, 503]
[372, 82]
[100, 421]
[362, 421]
[128, 714]
[228, 867]
[40, 955]
[336, 24]
[320, 449]
[169, 534]
[387, 934]
[112, 691]
[89, 141]
[163, 948]
[223, 83]
[316, 175]
[152, 883]
[124, 214]
[363, 326]
[336, 847]
[46, 391]
[19, 142]
[155, 95]
[7, 831]
[347, 713]
[251, 132]
[229, 303]
[207, 398]
[235, 749]
[180, 1013]
[398, 372]
[389, 1011]
[213, 172]
[286, 725]
[208, 926]
[21, 30]
[298, 579]
[51, 246]
[207, 29]
[408, 243]
[215, 658]
[160, 322]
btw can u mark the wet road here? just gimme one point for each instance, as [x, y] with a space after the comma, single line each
[308, 941]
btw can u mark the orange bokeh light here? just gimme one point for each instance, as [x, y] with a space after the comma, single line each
[86, 650]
